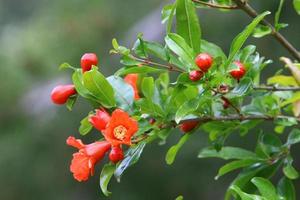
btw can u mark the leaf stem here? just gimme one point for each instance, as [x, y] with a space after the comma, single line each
[243, 5]
[167, 66]
[215, 5]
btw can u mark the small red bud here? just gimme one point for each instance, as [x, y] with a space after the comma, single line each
[238, 73]
[204, 61]
[226, 104]
[223, 89]
[61, 93]
[100, 119]
[87, 61]
[116, 154]
[152, 121]
[188, 126]
[196, 75]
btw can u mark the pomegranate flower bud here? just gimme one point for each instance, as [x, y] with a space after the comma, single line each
[61, 93]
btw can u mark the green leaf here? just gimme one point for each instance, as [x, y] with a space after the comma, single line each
[179, 197]
[294, 98]
[172, 152]
[156, 49]
[85, 126]
[187, 108]
[138, 70]
[227, 153]
[265, 187]
[231, 166]
[277, 25]
[212, 49]
[241, 89]
[294, 137]
[286, 189]
[177, 44]
[71, 102]
[129, 61]
[80, 88]
[296, 4]
[168, 13]
[105, 176]
[240, 39]
[124, 93]
[148, 87]
[66, 66]
[131, 157]
[245, 196]
[97, 84]
[283, 80]
[261, 31]
[187, 23]
[288, 170]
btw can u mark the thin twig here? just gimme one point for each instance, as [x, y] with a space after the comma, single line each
[275, 88]
[215, 5]
[280, 38]
[239, 118]
[167, 66]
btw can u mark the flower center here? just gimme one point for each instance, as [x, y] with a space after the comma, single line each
[120, 132]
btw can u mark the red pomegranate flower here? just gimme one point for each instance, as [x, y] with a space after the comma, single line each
[100, 119]
[120, 128]
[83, 162]
[132, 79]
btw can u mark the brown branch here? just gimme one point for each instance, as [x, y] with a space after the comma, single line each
[167, 66]
[274, 88]
[215, 5]
[280, 38]
[239, 118]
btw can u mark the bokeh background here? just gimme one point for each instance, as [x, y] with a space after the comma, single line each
[36, 36]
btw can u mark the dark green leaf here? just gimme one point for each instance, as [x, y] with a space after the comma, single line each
[97, 84]
[294, 137]
[129, 61]
[288, 170]
[172, 152]
[188, 24]
[265, 187]
[227, 153]
[187, 108]
[245, 196]
[242, 88]
[261, 31]
[240, 39]
[105, 176]
[286, 189]
[124, 93]
[212, 49]
[233, 166]
[131, 157]
[138, 70]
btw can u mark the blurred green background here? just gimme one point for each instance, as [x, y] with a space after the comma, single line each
[36, 36]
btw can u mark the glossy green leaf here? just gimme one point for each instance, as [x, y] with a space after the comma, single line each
[227, 153]
[261, 31]
[286, 189]
[138, 70]
[124, 93]
[179, 198]
[294, 98]
[289, 171]
[187, 23]
[129, 61]
[245, 196]
[156, 49]
[85, 126]
[277, 25]
[178, 45]
[71, 102]
[148, 87]
[240, 39]
[168, 13]
[294, 137]
[212, 49]
[105, 176]
[97, 84]
[231, 166]
[187, 108]
[265, 187]
[131, 157]
[241, 89]
[66, 66]
[283, 80]
[172, 152]
[296, 4]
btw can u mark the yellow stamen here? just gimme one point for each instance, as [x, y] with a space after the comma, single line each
[120, 132]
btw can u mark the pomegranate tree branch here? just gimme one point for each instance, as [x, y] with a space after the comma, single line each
[215, 5]
[243, 5]
[170, 67]
[275, 88]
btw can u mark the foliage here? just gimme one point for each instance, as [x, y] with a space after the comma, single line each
[174, 103]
